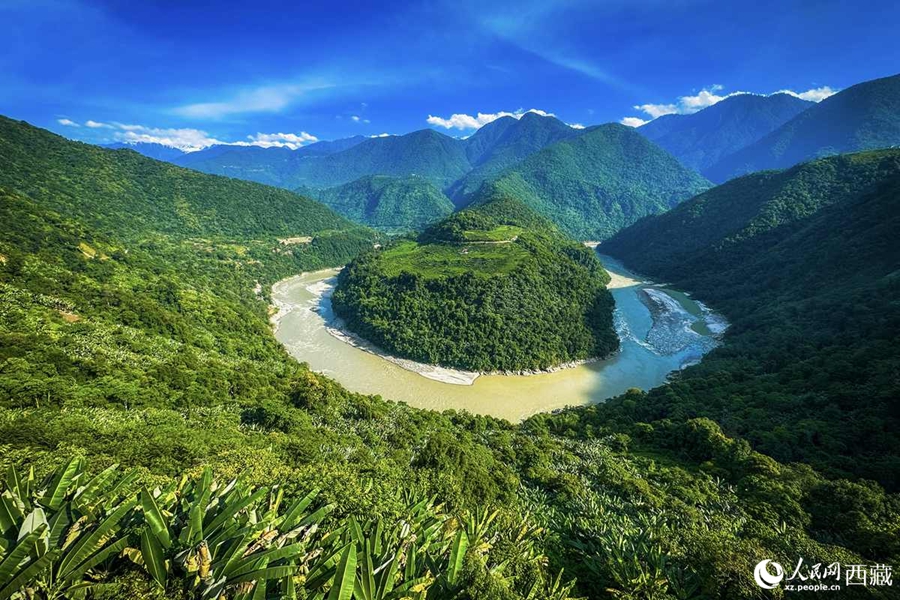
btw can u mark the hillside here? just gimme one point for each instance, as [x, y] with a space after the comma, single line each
[503, 143]
[701, 139]
[597, 183]
[140, 384]
[390, 203]
[862, 117]
[481, 292]
[804, 262]
[121, 191]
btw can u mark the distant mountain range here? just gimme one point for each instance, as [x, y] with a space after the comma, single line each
[701, 139]
[151, 150]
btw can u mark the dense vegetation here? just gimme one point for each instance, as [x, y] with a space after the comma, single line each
[594, 184]
[865, 116]
[481, 292]
[388, 203]
[159, 360]
[701, 139]
[804, 262]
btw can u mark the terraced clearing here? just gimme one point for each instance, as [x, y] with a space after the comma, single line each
[434, 261]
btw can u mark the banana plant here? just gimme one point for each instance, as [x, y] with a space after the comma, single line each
[215, 538]
[57, 533]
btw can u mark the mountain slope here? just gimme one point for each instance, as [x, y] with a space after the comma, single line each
[805, 263]
[436, 157]
[133, 195]
[699, 140]
[863, 117]
[503, 143]
[394, 203]
[271, 166]
[596, 183]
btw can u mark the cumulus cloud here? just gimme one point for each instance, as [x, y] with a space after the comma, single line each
[192, 140]
[813, 95]
[576, 125]
[378, 135]
[633, 121]
[358, 119]
[279, 140]
[686, 105]
[464, 121]
[97, 125]
[68, 123]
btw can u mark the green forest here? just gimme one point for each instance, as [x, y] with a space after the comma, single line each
[157, 442]
[481, 292]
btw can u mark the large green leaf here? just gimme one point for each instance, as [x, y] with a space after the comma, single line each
[59, 486]
[11, 586]
[457, 556]
[91, 543]
[152, 553]
[155, 519]
[345, 577]
[18, 554]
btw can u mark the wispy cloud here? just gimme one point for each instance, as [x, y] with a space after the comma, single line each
[381, 135]
[272, 98]
[358, 119]
[68, 123]
[463, 121]
[98, 125]
[279, 140]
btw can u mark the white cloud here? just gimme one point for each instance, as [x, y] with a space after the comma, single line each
[358, 119]
[378, 135]
[686, 105]
[68, 123]
[191, 140]
[575, 125]
[98, 125]
[813, 95]
[464, 121]
[633, 122]
[279, 140]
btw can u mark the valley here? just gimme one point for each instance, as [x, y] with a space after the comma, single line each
[651, 347]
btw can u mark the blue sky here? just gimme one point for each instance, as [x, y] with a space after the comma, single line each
[196, 72]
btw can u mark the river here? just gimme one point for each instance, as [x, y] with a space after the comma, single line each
[675, 333]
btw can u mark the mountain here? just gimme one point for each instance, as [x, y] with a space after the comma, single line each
[596, 183]
[436, 157]
[699, 140]
[133, 195]
[490, 288]
[157, 151]
[863, 117]
[271, 166]
[392, 203]
[503, 143]
[805, 264]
